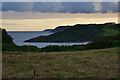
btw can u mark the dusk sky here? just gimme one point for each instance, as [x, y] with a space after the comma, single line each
[37, 16]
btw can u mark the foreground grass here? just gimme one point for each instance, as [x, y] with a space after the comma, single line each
[78, 64]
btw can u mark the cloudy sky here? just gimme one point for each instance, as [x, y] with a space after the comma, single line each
[37, 16]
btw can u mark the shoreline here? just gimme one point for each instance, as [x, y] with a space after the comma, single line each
[55, 42]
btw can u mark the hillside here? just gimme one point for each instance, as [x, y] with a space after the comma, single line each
[80, 33]
[50, 30]
[5, 37]
[61, 28]
[109, 42]
[58, 29]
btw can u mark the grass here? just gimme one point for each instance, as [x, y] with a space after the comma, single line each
[102, 63]
[110, 31]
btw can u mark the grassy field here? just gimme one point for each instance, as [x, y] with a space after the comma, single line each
[101, 63]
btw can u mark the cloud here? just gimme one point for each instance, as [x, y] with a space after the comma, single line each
[106, 7]
[61, 7]
[58, 6]
[97, 6]
[17, 6]
[112, 7]
[60, 0]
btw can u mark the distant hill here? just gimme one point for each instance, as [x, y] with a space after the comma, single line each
[49, 30]
[80, 33]
[58, 29]
[61, 28]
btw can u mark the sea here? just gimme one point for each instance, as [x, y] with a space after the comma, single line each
[20, 36]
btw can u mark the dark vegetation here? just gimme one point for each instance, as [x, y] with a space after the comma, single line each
[25, 48]
[6, 38]
[8, 44]
[80, 33]
[111, 39]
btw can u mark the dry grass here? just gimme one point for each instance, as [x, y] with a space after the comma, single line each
[78, 64]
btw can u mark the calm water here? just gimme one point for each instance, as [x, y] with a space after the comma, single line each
[20, 36]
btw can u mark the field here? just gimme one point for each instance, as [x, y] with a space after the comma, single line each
[101, 63]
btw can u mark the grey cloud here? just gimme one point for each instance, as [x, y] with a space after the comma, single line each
[61, 7]
[97, 6]
[17, 6]
[113, 7]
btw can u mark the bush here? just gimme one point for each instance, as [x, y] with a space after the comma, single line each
[55, 48]
[13, 47]
[99, 45]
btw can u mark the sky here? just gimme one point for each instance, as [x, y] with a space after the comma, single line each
[37, 16]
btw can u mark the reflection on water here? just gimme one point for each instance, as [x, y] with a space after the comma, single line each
[20, 36]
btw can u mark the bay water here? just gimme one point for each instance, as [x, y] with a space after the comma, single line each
[20, 36]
